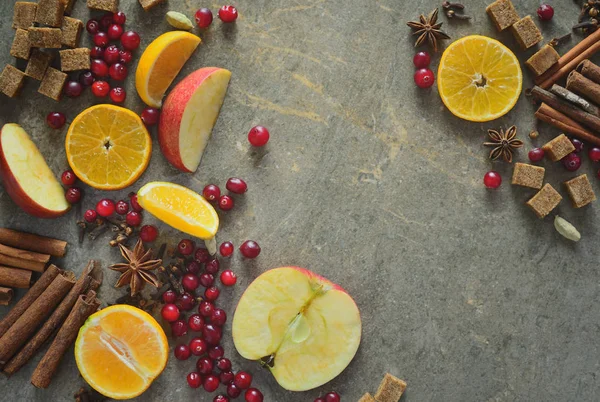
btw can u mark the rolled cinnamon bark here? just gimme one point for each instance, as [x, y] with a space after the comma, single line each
[21, 263]
[83, 308]
[575, 99]
[589, 70]
[33, 242]
[14, 277]
[24, 254]
[6, 295]
[31, 319]
[26, 301]
[551, 116]
[567, 108]
[583, 86]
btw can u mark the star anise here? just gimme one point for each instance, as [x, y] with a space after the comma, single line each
[504, 143]
[427, 29]
[136, 271]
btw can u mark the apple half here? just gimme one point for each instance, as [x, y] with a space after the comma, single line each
[188, 115]
[26, 176]
[301, 326]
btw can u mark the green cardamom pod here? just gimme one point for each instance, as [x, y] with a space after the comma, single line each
[179, 21]
[566, 229]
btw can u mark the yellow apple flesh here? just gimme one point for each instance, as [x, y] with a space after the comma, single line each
[304, 326]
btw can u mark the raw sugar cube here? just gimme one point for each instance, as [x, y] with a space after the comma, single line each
[580, 190]
[558, 148]
[544, 201]
[528, 175]
[502, 13]
[11, 81]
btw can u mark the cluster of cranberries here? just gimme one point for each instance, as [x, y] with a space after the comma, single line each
[204, 16]
[329, 397]
[73, 193]
[212, 193]
[545, 12]
[424, 77]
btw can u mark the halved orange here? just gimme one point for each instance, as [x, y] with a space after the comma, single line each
[108, 147]
[479, 79]
[120, 350]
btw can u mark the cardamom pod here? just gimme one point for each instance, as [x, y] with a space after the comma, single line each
[566, 229]
[179, 21]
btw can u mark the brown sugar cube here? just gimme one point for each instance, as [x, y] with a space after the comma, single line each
[11, 81]
[50, 12]
[367, 398]
[526, 32]
[528, 175]
[390, 389]
[71, 31]
[24, 14]
[542, 60]
[106, 5]
[544, 201]
[558, 148]
[502, 13]
[580, 190]
[38, 64]
[148, 4]
[68, 5]
[21, 46]
[45, 37]
[53, 83]
[75, 59]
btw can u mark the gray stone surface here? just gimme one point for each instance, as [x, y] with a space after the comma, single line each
[372, 183]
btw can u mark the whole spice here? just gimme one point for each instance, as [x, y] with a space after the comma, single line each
[179, 20]
[566, 229]
[32, 242]
[534, 134]
[136, 271]
[428, 30]
[451, 8]
[6, 295]
[503, 143]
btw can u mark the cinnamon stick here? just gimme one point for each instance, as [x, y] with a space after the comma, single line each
[83, 308]
[14, 277]
[564, 107]
[551, 116]
[32, 294]
[583, 86]
[24, 254]
[589, 70]
[575, 99]
[33, 242]
[55, 321]
[31, 319]
[6, 295]
[568, 67]
[21, 263]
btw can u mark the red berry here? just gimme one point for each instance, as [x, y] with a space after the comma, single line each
[201, 255]
[122, 207]
[571, 162]
[577, 144]
[258, 136]
[536, 154]
[237, 186]
[169, 296]
[228, 277]
[212, 266]
[207, 280]
[111, 54]
[92, 26]
[594, 154]
[114, 31]
[545, 12]
[133, 199]
[228, 14]
[226, 377]
[212, 334]
[68, 178]
[118, 72]
[190, 282]
[233, 390]
[225, 203]
[133, 218]
[119, 18]
[196, 322]
[224, 364]
[226, 249]
[182, 352]
[130, 40]
[186, 247]
[193, 267]
[186, 301]
[106, 21]
[179, 328]
[424, 78]
[150, 116]
[194, 379]
[421, 60]
[492, 179]
[206, 309]
[221, 398]
[211, 192]
[170, 312]
[86, 78]
[212, 293]
[250, 249]
[96, 52]
[148, 233]
[105, 207]
[216, 352]
[101, 39]
[254, 395]
[73, 195]
[100, 89]
[73, 89]
[242, 380]
[125, 56]
[99, 68]
[204, 365]
[211, 383]
[56, 120]
[332, 397]
[90, 215]
[198, 346]
[203, 17]
[218, 317]
[118, 95]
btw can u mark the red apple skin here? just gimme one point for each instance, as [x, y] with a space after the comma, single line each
[172, 112]
[18, 195]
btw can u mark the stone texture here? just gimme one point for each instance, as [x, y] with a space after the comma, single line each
[465, 294]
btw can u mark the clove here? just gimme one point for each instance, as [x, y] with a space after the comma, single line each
[557, 41]
[452, 14]
[448, 5]
[587, 25]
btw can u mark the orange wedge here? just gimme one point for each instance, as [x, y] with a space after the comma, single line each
[181, 208]
[479, 79]
[108, 147]
[120, 350]
[160, 63]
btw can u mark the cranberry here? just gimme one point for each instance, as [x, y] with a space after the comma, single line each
[130, 40]
[332, 397]
[225, 203]
[237, 186]
[224, 364]
[254, 395]
[211, 192]
[118, 72]
[99, 68]
[594, 154]
[196, 322]
[577, 144]
[86, 78]
[226, 377]
[212, 266]
[204, 365]
[545, 12]
[424, 78]
[186, 302]
[119, 18]
[218, 317]
[421, 60]
[198, 346]
[105, 207]
[96, 52]
[233, 390]
[134, 203]
[179, 328]
[206, 309]
[211, 383]
[258, 136]
[182, 352]
[242, 380]
[228, 14]
[106, 21]
[56, 120]
[73, 89]
[186, 247]
[190, 282]
[122, 207]
[250, 249]
[68, 178]
[216, 352]
[150, 116]
[492, 179]
[92, 26]
[203, 17]
[221, 398]
[571, 162]
[101, 39]
[536, 154]
[228, 277]
[207, 280]
[169, 296]
[118, 95]
[73, 195]
[212, 334]
[133, 218]
[148, 233]
[111, 54]
[170, 312]
[100, 89]
[125, 56]
[114, 31]
[212, 293]
[201, 255]
[194, 379]
[193, 267]
[90, 215]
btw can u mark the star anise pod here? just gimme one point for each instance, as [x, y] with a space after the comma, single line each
[136, 271]
[503, 143]
[427, 29]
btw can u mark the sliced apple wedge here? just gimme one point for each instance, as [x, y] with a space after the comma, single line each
[26, 176]
[189, 114]
[305, 328]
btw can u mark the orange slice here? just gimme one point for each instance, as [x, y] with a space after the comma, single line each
[160, 63]
[108, 147]
[479, 79]
[120, 350]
